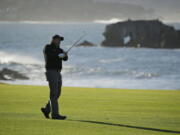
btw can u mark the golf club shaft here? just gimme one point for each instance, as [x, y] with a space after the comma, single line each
[76, 42]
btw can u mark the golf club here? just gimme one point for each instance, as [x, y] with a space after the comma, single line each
[79, 39]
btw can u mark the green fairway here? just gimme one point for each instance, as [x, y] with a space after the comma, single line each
[90, 111]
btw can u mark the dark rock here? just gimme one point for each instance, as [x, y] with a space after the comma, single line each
[141, 33]
[86, 44]
[8, 74]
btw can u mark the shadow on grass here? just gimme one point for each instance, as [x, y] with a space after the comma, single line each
[127, 126]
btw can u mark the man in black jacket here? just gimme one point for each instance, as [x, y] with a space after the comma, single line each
[54, 55]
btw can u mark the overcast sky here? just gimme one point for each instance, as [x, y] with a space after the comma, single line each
[89, 10]
[165, 9]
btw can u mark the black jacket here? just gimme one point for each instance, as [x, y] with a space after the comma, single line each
[52, 61]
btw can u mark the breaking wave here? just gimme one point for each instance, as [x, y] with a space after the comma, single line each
[98, 71]
[112, 20]
[6, 58]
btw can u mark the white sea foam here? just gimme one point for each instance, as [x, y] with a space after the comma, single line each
[16, 58]
[154, 84]
[112, 20]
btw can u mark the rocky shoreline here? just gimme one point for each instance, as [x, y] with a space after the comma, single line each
[141, 33]
[8, 74]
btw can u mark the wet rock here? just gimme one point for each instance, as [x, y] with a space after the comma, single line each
[8, 74]
[141, 33]
[86, 44]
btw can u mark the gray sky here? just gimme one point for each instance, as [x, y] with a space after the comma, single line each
[165, 9]
[89, 10]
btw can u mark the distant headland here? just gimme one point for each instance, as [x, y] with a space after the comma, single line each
[141, 33]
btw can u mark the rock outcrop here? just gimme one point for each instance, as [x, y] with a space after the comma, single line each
[8, 74]
[86, 44]
[141, 33]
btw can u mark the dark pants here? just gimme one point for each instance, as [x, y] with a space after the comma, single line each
[55, 82]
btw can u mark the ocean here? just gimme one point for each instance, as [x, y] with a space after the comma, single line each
[21, 49]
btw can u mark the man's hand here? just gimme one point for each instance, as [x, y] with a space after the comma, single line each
[66, 56]
[62, 55]
[65, 53]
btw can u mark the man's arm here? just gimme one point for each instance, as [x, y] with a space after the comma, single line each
[63, 55]
[66, 56]
[49, 52]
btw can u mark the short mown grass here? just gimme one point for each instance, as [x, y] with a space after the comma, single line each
[90, 111]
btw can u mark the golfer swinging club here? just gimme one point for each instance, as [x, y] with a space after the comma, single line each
[54, 55]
